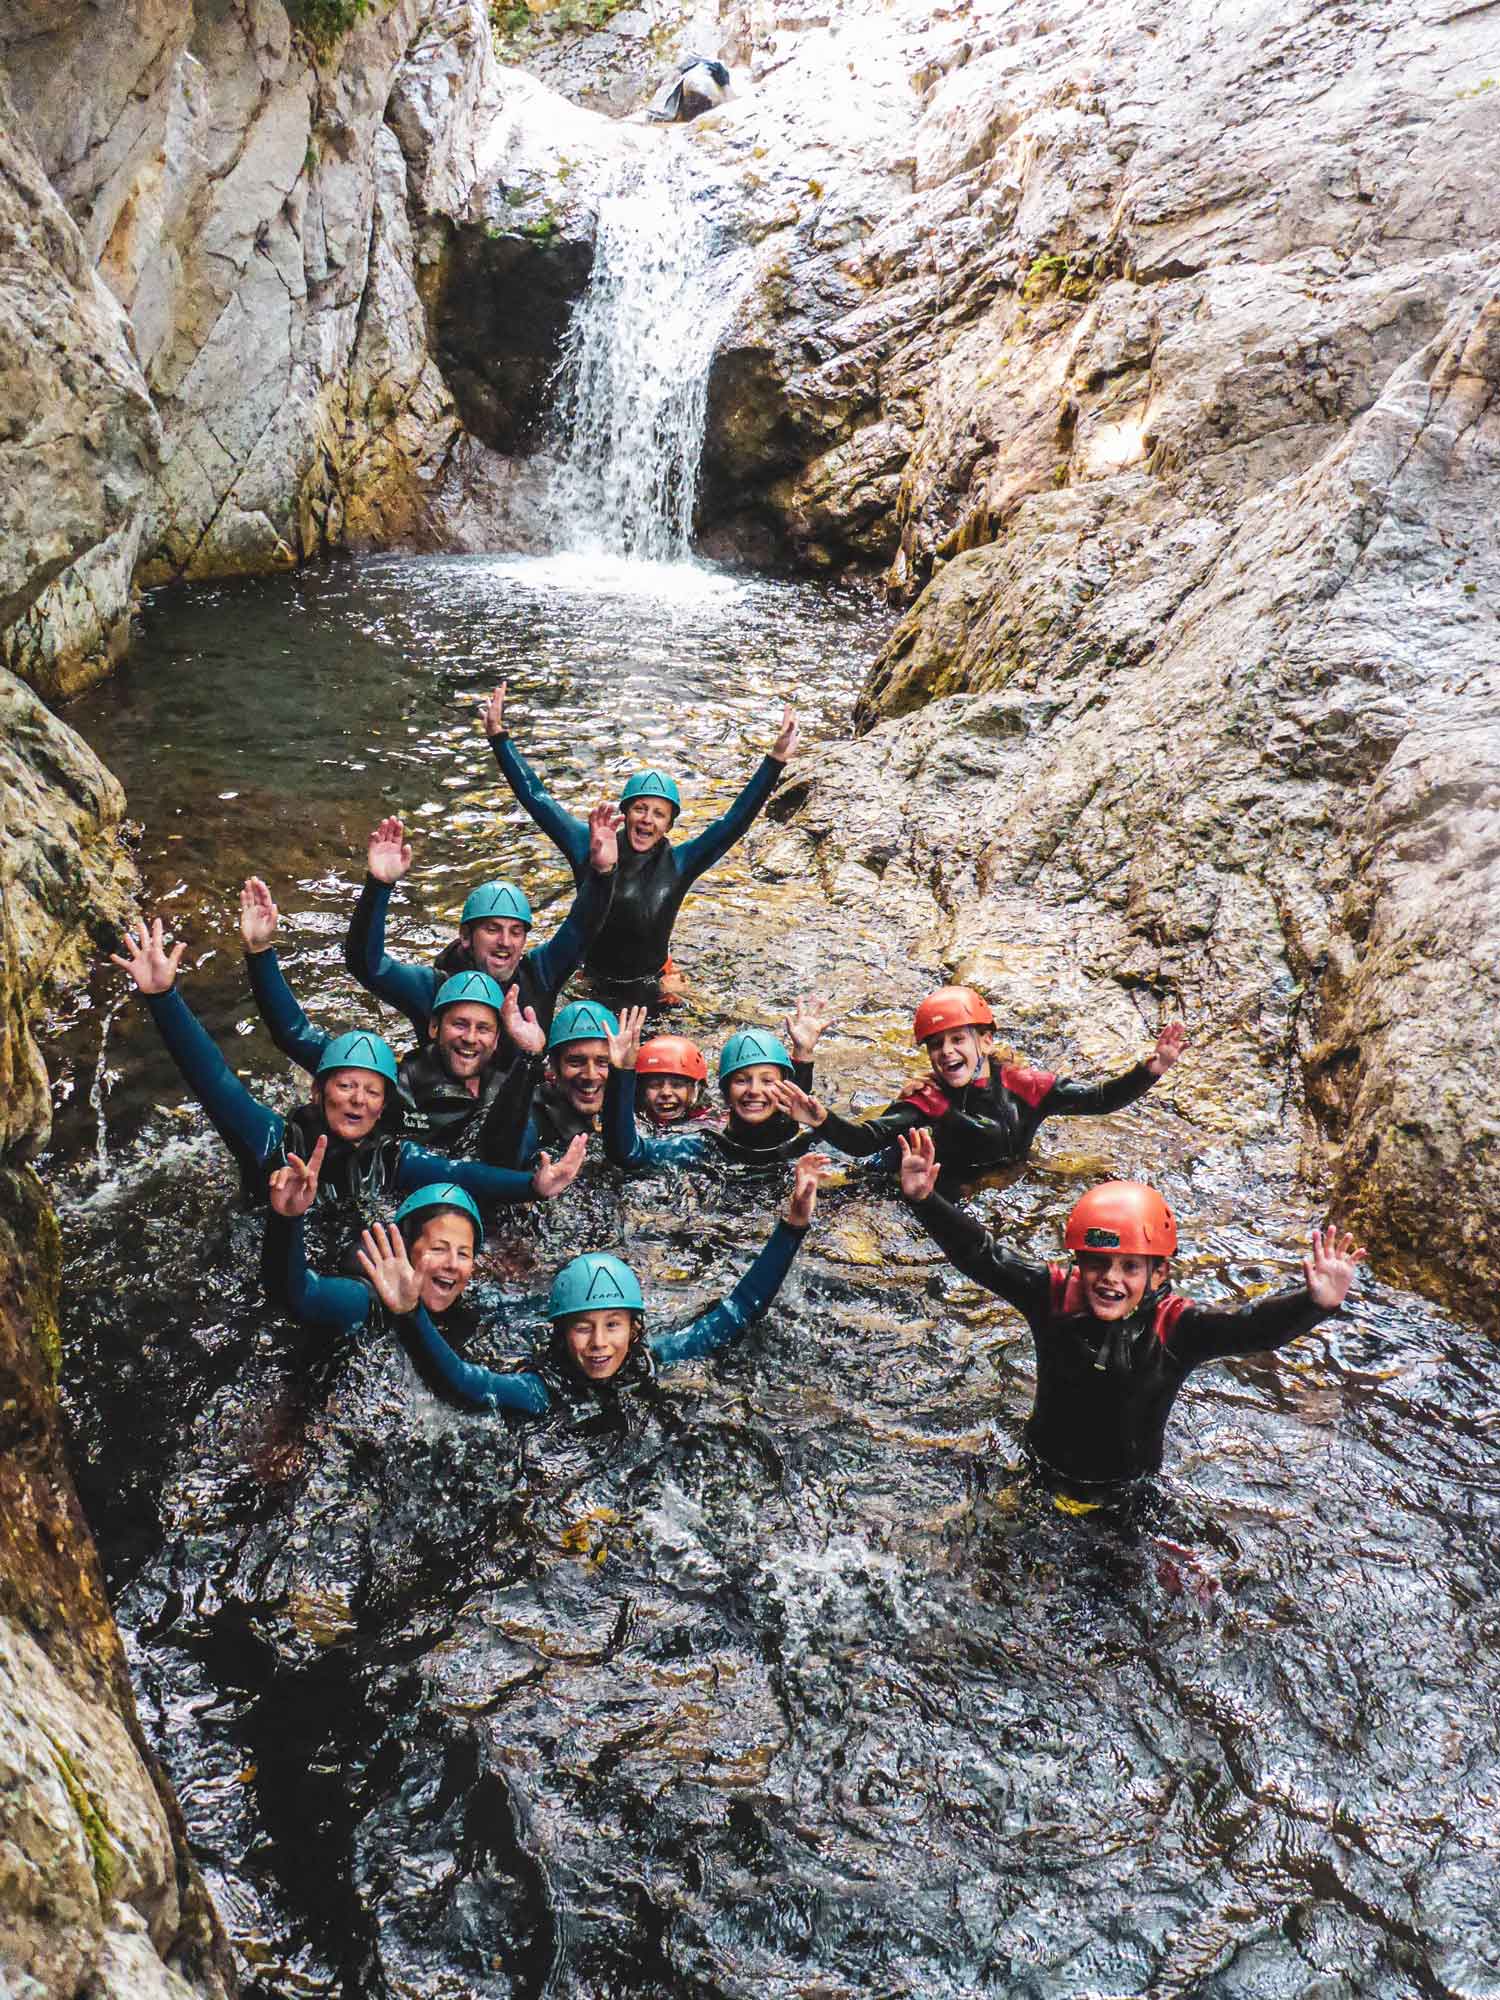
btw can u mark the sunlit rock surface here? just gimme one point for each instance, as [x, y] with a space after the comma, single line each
[1168, 388]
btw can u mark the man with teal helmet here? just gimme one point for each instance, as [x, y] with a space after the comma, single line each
[461, 1090]
[572, 1095]
[352, 1126]
[493, 931]
[496, 899]
[756, 1131]
[630, 954]
[599, 1344]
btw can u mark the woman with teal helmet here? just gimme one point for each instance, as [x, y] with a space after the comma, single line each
[354, 1107]
[632, 950]
[443, 1230]
[599, 1341]
[756, 1132]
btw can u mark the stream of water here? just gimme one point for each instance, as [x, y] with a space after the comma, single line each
[787, 1691]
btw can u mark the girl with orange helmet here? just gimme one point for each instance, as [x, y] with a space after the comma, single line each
[1114, 1342]
[983, 1113]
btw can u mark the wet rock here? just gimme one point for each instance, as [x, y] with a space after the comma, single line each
[97, 1890]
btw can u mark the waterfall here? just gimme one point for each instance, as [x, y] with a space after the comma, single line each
[633, 382]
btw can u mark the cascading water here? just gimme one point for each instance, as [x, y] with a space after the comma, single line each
[633, 384]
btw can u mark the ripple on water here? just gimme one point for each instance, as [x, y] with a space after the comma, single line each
[788, 1688]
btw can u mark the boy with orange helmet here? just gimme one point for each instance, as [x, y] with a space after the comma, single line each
[983, 1113]
[670, 1072]
[1114, 1343]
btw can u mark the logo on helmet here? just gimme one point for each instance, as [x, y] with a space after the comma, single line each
[1101, 1239]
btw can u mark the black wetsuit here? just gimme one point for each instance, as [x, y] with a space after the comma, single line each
[441, 1113]
[1105, 1388]
[630, 950]
[988, 1124]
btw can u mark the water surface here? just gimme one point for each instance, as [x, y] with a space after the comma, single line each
[788, 1689]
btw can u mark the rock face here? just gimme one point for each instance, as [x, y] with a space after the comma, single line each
[1170, 385]
[97, 1893]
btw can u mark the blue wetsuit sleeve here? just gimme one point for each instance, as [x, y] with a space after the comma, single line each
[484, 1388]
[563, 952]
[747, 1303]
[566, 832]
[418, 1168]
[282, 1013]
[624, 1143]
[244, 1124]
[409, 988]
[716, 839]
[339, 1303]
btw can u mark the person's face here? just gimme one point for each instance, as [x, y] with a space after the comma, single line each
[667, 1099]
[497, 945]
[598, 1342]
[646, 822]
[352, 1101]
[443, 1258]
[466, 1035]
[1114, 1285]
[956, 1055]
[582, 1070]
[748, 1092]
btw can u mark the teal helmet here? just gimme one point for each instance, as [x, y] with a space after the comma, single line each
[652, 785]
[596, 1283]
[496, 899]
[582, 1021]
[751, 1046]
[477, 988]
[357, 1050]
[443, 1194]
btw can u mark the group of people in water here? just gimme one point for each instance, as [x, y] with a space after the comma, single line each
[506, 1086]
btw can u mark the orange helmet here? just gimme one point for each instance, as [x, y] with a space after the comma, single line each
[671, 1055]
[1125, 1216]
[951, 1007]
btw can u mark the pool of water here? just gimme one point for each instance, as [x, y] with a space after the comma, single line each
[788, 1687]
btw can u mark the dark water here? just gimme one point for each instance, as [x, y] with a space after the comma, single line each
[788, 1689]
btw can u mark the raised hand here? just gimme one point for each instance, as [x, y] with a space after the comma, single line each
[786, 741]
[811, 1171]
[1329, 1269]
[798, 1103]
[388, 855]
[626, 1046]
[293, 1189]
[521, 1024]
[492, 715]
[1170, 1044]
[147, 959]
[605, 822]
[552, 1176]
[387, 1268]
[919, 1164]
[258, 915]
[805, 1024]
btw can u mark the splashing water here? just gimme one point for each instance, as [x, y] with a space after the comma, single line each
[633, 385]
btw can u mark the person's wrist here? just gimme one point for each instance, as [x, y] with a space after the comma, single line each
[255, 950]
